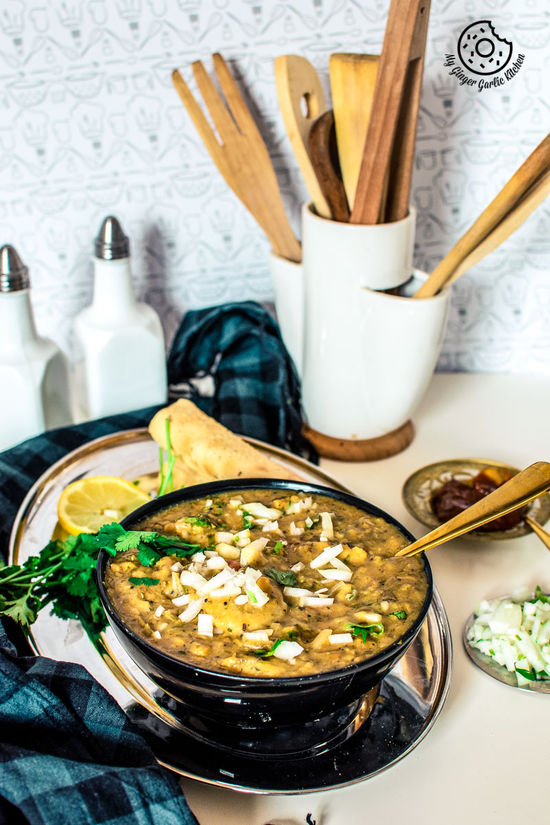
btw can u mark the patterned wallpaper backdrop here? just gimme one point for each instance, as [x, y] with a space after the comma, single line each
[91, 125]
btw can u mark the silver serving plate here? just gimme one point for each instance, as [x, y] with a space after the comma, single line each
[412, 696]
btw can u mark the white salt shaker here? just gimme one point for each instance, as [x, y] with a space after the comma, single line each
[34, 373]
[120, 361]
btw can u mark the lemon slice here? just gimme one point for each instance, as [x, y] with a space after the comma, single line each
[87, 504]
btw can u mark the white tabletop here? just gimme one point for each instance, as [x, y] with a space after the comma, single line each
[486, 760]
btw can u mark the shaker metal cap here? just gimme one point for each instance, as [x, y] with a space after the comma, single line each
[111, 242]
[14, 275]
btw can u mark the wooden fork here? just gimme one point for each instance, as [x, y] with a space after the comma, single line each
[241, 156]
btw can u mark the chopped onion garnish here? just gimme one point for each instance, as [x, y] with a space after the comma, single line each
[259, 510]
[205, 624]
[194, 580]
[317, 601]
[257, 635]
[336, 575]
[251, 553]
[216, 562]
[339, 564]
[159, 611]
[223, 536]
[218, 580]
[181, 601]
[177, 566]
[326, 555]
[341, 639]
[193, 609]
[271, 527]
[242, 599]
[287, 650]
[225, 592]
[242, 538]
[157, 634]
[198, 556]
[297, 567]
[326, 525]
[298, 506]
[296, 592]
[295, 531]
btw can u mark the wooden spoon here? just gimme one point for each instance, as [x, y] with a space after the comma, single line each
[324, 157]
[529, 174]
[520, 489]
[512, 221]
[301, 101]
[352, 83]
[402, 53]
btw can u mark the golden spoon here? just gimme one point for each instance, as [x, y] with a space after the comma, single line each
[543, 535]
[514, 493]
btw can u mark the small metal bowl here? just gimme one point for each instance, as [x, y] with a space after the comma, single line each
[421, 485]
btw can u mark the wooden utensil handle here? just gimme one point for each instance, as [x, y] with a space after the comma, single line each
[403, 39]
[537, 164]
[520, 489]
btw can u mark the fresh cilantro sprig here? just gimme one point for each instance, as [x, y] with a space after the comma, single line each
[399, 614]
[367, 630]
[63, 575]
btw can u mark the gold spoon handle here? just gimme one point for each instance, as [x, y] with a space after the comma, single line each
[543, 535]
[521, 488]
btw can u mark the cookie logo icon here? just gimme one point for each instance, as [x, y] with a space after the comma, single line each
[481, 50]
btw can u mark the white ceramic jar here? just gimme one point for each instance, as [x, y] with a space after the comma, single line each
[34, 373]
[120, 359]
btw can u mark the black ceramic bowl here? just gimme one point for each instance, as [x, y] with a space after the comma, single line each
[292, 715]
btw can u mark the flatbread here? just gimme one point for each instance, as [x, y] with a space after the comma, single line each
[206, 450]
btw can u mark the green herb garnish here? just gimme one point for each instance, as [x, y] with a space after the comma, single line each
[399, 614]
[167, 479]
[278, 548]
[63, 575]
[286, 577]
[265, 654]
[200, 521]
[313, 521]
[540, 596]
[527, 674]
[252, 597]
[365, 630]
[248, 520]
[143, 580]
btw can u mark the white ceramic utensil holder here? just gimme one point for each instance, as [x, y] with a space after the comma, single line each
[365, 356]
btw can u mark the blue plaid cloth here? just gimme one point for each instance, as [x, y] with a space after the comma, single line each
[68, 753]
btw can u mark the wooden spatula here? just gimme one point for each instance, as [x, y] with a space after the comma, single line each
[324, 157]
[352, 82]
[402, 56]
[239, 152]
[301, 101]
[528, 180]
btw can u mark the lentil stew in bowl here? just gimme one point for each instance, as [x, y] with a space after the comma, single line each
[274, 582]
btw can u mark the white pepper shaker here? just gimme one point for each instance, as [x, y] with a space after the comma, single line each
[34, 373]
[120, 360]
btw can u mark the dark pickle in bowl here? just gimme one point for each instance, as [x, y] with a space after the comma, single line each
[455, 496]
[279, 608]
